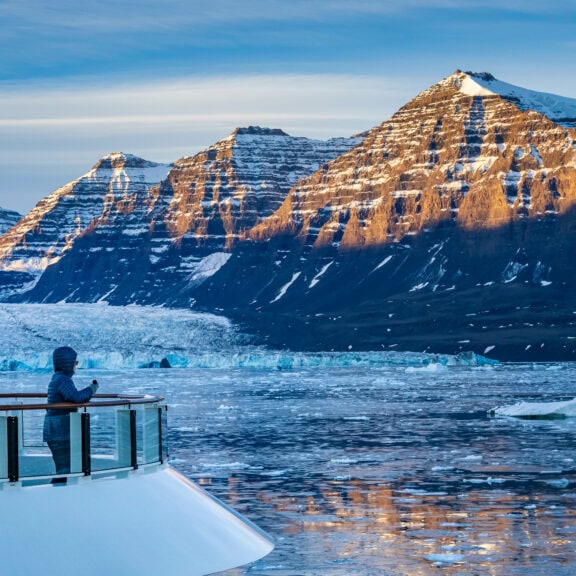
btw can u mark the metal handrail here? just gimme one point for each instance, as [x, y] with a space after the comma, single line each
[125, 445]
[107, 400]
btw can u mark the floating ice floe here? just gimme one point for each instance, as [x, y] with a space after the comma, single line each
[538, 410]
[445, 558]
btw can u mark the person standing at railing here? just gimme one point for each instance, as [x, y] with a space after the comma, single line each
[57, 421]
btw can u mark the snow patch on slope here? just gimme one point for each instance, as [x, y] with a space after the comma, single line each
[209, 265]
[284, 288]
[316, 278]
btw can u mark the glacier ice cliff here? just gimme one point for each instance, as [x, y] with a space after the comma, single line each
[108, 337]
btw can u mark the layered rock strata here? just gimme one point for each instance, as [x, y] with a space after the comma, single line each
[8, 218]
[458, 152]
[132, 237]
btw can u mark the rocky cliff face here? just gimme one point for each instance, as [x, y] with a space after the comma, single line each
[11, 280]
[149, 234]
[459, 152]
[8, 218]
[227, 189]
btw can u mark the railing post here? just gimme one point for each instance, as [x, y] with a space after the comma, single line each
[133, 446]
[160, 442]
[86, 458]
[76, 456]
[3, 447]
[13, 448]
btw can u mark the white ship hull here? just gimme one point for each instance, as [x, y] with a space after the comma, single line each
[146, 522]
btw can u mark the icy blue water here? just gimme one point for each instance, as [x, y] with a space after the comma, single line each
[377, 470]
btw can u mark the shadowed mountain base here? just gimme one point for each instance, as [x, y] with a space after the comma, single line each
[499, 331]
[507, 293]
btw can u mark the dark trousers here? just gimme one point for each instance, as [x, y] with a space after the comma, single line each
[61, 455]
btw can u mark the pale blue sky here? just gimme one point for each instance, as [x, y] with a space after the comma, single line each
[165, 79]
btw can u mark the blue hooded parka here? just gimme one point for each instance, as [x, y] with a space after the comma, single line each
[62, 389]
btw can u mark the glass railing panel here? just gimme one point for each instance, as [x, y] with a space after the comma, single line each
[35, 457]
[104, 437]
[125, 437]
[31, 429]
[151, 434]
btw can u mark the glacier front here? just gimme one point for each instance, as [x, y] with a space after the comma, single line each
[124, 337]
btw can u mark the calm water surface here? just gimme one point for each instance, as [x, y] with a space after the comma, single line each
[380, 471]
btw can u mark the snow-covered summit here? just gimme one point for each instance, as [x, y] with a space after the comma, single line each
[42, 237]
[560, 109]
[259, 131]
[118, 160]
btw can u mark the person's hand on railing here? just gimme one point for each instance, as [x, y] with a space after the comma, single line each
[94, 386]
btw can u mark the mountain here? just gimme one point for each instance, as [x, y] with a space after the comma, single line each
[111, 189]
[458, 152]
[7, 219]
[151, 236]
[224, 191]
[447, 228]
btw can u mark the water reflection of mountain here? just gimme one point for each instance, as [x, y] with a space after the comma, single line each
[476, 529]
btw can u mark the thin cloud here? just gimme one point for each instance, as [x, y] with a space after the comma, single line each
[262, 97]
[139, 15]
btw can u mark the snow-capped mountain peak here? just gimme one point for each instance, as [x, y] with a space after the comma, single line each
[560, 109]
[470, 149]
[49, 230]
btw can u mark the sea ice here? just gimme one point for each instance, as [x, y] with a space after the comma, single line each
[445, 558]
[544, 410]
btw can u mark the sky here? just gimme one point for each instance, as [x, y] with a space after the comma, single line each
[165, 79]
